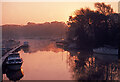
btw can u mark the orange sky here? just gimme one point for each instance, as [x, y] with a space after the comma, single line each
[39, 12]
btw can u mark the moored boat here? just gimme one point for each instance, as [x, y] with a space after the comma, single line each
[14, 62]
[25, 44]
[59, 44]
[15, 53]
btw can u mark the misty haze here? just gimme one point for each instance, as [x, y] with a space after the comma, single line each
[80, 41]
[32, 30]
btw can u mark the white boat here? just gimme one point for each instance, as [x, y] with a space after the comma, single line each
[25, 44]
[106, 50]
[15, 53]
[14, 62]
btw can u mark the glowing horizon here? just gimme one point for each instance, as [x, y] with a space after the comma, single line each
[40, 12]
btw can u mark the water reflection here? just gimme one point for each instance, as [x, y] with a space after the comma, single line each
[45, 65]
[88, 66]
[40, 45]
[26, 49]
[44, 61]
[14, 75]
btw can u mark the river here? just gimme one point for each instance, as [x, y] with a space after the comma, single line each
[44, 61]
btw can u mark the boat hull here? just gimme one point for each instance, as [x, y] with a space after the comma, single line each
[14, 66]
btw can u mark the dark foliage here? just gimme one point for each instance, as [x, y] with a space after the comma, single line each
[90, 29]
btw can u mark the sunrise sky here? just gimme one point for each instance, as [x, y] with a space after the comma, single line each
[40, 12]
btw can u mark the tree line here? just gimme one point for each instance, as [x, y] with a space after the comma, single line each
[33, 30]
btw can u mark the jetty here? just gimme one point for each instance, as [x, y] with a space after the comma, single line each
[11, 51]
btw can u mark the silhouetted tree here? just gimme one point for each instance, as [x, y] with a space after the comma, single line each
[89, 29]
[103, 8]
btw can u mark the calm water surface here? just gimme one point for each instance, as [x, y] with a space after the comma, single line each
[44, 61]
